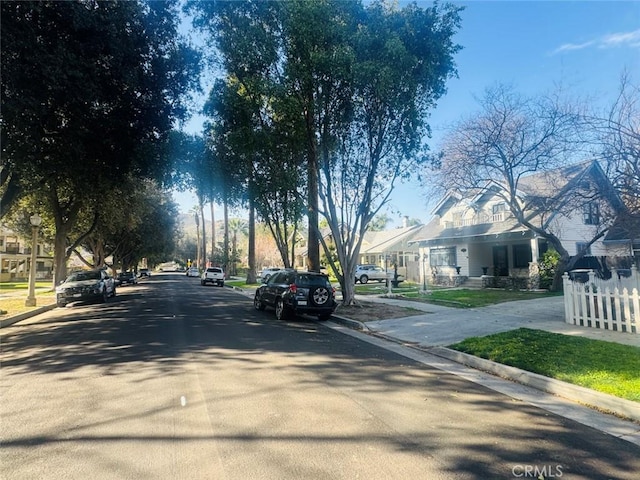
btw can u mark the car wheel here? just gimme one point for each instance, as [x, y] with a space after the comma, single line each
[203, 283]
[104, 296]
[113, 292]
[364, 279]
[281, 311]
[221, 284]
[320, 296]
[61, 304]
[258, 304]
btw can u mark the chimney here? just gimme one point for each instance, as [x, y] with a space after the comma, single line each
[405, 221]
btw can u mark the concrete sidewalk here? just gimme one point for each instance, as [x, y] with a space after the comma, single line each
[442, 326]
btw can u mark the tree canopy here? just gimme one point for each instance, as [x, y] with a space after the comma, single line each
[342, 89]
[90, 91]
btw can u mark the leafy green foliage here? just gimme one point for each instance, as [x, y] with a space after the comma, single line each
[548, 265]
[90, 91]
[333, 95]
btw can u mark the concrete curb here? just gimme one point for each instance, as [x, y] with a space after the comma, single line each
[353, 324]
[5, 322]
[600, 401]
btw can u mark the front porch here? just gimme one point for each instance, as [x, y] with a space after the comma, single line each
[508, 261]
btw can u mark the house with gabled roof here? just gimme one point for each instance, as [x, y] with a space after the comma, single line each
[474, 238]
[392, 249]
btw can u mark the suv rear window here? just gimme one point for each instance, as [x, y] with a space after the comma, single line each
[214, 270]
[304, 279]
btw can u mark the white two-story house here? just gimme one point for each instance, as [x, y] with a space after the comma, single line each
[476, 236]
[15, 257]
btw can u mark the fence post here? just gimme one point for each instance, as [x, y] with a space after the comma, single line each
[568, 298]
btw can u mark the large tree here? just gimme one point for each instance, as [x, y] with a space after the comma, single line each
[617, 133]
[89, 91]
[353, 84]
[402, 59]
[511, 137]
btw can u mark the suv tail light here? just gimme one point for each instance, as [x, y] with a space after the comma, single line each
[293, 288]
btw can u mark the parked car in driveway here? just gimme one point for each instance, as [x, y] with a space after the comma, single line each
[364, 273]
[291, 292]
[86, 285]
[127, 278]
[144, 272]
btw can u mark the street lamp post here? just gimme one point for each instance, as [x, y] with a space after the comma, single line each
[424, 272]
[35, 220]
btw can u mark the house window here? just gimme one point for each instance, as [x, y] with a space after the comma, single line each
[583, 247]
[441, 257]
[521, 256]
[591, 214]
[498, 212]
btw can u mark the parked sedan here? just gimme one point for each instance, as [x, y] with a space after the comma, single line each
[193, 272]
[291, 292]
[127, 278]
[86, 285]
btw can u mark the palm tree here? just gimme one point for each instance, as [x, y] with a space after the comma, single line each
[236, 226]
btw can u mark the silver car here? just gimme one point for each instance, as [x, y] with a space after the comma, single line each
[86, 285]
[364, 273]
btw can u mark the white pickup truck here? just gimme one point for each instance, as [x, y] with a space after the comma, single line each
[213, 275]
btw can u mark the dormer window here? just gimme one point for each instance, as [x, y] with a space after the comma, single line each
[498, 210]
[591, 214]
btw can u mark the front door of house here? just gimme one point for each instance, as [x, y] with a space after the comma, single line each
[500, 261]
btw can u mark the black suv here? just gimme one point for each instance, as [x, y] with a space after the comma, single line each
[291, 292]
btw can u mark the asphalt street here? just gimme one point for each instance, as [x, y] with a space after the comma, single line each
[172, 380]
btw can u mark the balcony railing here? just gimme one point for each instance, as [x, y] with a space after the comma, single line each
[476, 220]
[12, 247]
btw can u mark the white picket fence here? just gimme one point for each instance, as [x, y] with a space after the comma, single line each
[607, 304]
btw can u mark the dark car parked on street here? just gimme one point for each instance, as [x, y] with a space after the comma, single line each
[291, 292]
[127, 278]
[86, 285]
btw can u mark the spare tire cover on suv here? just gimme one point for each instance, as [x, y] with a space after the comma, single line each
[319, 295]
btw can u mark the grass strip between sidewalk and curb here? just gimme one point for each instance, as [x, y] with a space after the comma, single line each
[595, 364]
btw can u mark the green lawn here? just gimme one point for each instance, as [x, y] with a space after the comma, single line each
[21, 287]
[453, 297]
[603, 366]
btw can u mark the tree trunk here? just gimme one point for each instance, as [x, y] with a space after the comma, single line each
[204, 237]
[251, 249]
[313, 244]
[348, 287]
[213, 234]
[226, 236]
[60, 256]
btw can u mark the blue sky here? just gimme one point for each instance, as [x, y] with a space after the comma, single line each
[533, 45]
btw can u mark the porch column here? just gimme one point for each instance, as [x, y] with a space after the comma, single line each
[534, 270]
[534, 250]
